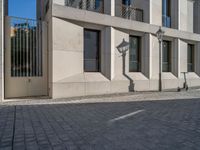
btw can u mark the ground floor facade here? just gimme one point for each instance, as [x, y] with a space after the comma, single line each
[77, 54]
[74, 73]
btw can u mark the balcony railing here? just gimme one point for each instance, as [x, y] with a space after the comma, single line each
[90, 5]
[132, 13]
[166, 21]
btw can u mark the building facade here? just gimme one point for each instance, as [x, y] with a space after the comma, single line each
[83, 41]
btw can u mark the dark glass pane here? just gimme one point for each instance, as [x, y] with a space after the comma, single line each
[190, 55]
[91, 51]
[166, 54]
[134, 54]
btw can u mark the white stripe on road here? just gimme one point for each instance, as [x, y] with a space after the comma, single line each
[125, 116]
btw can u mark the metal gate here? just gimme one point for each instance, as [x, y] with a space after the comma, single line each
[25, 58]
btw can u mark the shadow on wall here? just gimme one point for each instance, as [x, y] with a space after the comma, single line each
[123, 48]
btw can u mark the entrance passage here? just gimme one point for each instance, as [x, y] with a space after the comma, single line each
[25, 58]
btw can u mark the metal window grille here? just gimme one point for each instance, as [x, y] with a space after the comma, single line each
[131, 13]
[90, 5]
[26, 49]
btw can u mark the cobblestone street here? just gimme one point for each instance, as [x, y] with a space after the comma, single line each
[165, 121]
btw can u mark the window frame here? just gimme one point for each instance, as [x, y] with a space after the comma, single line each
[193, 57]
[98, 47]
[139, 54]
[167, 16]
[169, 52]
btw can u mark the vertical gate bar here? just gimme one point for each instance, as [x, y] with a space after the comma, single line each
[14, 52]
[19, 52]
[29, 56]
[36, 59]
[21, 45]
[39, 54]
[34, 53]
[33, 60]
[41, 50]
[27, 48]
[15, 37]
[37, 49]
[11, 48]
[38, 67]
[31, 50]
[22, 50]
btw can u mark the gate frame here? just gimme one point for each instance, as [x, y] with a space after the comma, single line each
[43, 23]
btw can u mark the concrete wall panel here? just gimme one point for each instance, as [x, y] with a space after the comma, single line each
[156, 12]
[183, 56]
[67, 49]
[190, 16]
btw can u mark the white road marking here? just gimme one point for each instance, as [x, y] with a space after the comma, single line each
[125, 116]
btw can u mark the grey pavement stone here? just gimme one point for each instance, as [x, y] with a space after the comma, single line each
[168, 121]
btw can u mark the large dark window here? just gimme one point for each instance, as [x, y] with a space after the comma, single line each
[91, 50]
[166, 58]
[190, 58]
[166, 13]
[135, 54]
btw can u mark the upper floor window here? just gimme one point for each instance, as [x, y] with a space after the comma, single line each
[135, 54]
[166, 13]
[190, 58]
[91, 50]
[126, 2]
[90, 5]
[166, 58]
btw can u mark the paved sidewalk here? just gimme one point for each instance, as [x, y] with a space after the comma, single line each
[121, 97]
[142, 121]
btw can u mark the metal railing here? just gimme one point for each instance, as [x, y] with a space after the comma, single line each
[90, 5]
[132, 13]
[166, 21]
[26, 51]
